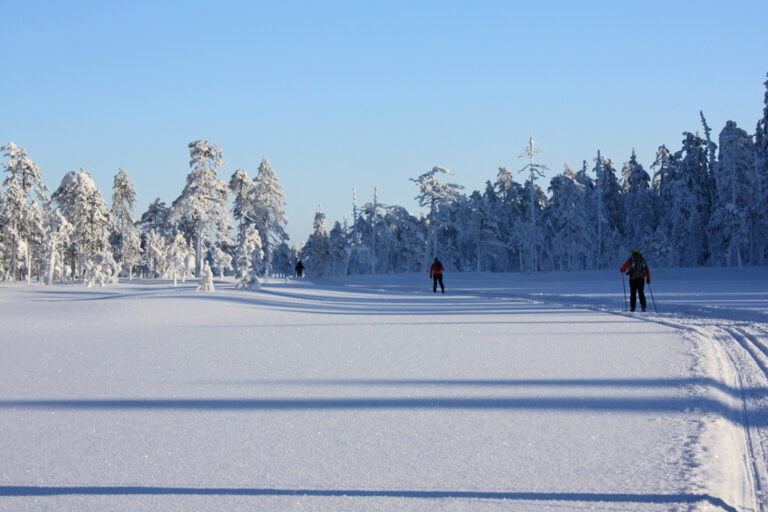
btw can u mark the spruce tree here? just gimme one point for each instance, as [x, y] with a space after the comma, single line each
[89, 252]
[437, 195]
[125, 235]
[269, 203]
[734, 214]
[697, 177]
[57, 235]
[639, 208]
[155, 254]
[203, 203]
[534, 237]
[609, 213]
[241, 186]
[156, 219]
[567, 216]
[22, 210]
[316, 252]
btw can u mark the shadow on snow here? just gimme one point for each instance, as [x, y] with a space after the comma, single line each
[667, 405]
[647, 498]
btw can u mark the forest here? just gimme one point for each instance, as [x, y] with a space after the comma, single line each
[704, 203]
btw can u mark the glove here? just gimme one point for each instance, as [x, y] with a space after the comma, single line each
[648, 281]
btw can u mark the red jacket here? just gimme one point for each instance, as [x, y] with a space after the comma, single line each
[626, 265]
[436, 270]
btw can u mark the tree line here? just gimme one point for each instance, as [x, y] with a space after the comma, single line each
[706, 204]
[74, 235]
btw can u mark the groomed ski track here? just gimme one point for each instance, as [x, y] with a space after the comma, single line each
[739, 347]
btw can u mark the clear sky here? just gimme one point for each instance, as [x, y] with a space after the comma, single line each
[366, 94]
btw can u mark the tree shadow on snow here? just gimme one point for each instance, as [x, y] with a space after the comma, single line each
[569, 497]
[672, 383]
[639, 405]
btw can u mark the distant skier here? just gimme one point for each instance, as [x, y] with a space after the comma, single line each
[436, 274]
[299, 268]
[637, 270]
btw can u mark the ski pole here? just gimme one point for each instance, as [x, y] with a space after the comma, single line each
[624, 285]
[654, 300]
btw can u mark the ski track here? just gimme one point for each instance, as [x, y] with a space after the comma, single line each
[755, 438]
[747, 353]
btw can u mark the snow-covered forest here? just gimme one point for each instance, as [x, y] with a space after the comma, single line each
[704, 203]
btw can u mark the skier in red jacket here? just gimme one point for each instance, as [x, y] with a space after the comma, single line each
[637, 270]
[436, 274]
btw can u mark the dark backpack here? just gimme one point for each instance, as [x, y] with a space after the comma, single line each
[637, 266]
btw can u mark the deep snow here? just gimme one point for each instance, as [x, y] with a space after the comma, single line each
[523, 392]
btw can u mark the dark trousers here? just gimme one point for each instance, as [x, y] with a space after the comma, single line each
[437, 278]
[636, 287]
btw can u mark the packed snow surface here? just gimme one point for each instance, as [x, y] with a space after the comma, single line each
[509, 392]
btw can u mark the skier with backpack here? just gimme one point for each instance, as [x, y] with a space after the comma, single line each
[639, 274]
[436, 274]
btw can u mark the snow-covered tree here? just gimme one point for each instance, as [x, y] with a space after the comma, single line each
[221, 258]
[156, 219]
[374, 217]
[269, 212]
[570, 222]
[340, 251]
[535, 170]
[100, 269]
[202, 204]
[176, 259]
[410, 237]
[640, 220]
[512, 207]
[206, 279]
[125, 235]
[666, 188]
[760, 227]
[736, 196]
[609, 212]
[353, 235]
[316, 253]
[260, 202]
[155, 254]
[284, 259]
[22, 211]
[679, 238]
[57, 234]
[435, 194]
[80, 201]
[479, 239]
[697, 178]
[242, 187]
[711, 146]
[248, 259]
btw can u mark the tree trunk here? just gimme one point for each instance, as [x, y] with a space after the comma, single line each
[51, 263]
[198, 248]
[28, 262]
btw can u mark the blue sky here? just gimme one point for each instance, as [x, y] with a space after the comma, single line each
[366, 94]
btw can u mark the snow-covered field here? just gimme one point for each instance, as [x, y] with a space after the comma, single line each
[509, 392]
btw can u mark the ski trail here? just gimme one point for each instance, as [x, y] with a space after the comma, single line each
[755, 439]
[748, 361]
[747, 356]
[743, 348]
[754, 452]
